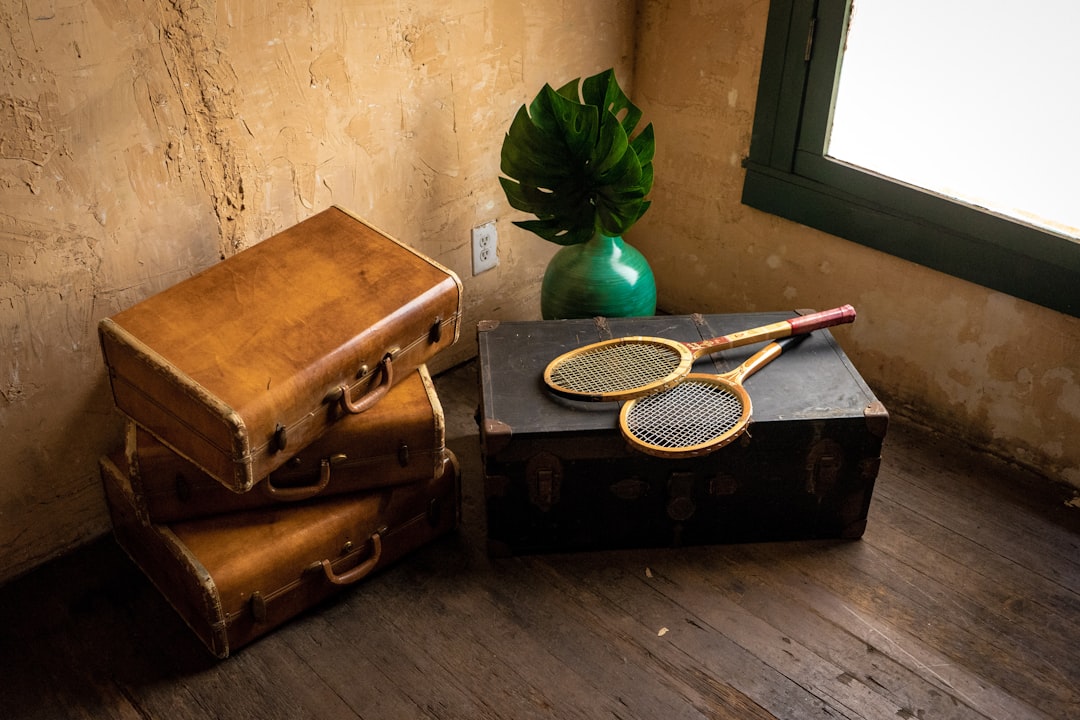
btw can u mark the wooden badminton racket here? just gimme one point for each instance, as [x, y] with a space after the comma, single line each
[700, 414]
[635, 366]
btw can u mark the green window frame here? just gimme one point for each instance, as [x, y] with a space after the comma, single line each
[788, 174]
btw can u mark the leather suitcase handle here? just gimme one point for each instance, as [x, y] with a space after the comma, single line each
[372, 396]
[292, 494]
[360, 571]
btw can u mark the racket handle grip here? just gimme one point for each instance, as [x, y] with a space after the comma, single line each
[823, 319]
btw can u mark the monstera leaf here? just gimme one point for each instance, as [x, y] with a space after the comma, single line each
[571, 159]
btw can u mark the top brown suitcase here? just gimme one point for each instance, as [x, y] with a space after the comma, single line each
[245, 363]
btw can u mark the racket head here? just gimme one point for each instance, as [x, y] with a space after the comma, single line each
[620, 369]
[699, 415]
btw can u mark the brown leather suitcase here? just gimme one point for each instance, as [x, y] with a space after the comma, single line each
[558, 475]
[234, 578]
[242, 365]
[399, 440]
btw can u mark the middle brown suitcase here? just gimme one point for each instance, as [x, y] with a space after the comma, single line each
[399, 440]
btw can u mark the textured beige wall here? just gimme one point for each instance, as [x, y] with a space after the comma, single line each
[993, 369]
[143, 141]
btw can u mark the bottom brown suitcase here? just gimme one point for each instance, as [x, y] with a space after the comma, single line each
[233, 578]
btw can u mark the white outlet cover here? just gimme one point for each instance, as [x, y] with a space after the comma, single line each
[485, 247]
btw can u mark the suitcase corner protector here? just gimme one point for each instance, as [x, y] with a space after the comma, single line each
[855, 530]
[877, 418]
[497, 435]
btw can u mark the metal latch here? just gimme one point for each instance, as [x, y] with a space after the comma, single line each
[280, 439]
[680, 505]
[435, 331]
[544, 475]
[825, 461]
[258, 606]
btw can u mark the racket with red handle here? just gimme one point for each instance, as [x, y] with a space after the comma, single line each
[635, 366]
[699, 415]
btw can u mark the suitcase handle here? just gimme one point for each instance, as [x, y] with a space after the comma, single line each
[292, 494]
[360, 571]
[372, 396]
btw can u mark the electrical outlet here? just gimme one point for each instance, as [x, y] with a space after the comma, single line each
[485, 246]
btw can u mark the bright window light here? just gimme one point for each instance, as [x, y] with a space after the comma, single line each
[976, 100]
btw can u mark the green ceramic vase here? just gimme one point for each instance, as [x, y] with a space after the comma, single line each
[601, 277]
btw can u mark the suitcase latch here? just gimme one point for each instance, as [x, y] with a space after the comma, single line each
[281, 438]
[825, 461]
[544, 473]
[257, 604]
[680, 505]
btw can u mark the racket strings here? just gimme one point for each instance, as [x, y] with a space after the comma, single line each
[684, 416]
[616, 368]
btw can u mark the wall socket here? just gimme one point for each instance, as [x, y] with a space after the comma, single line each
[485, 246]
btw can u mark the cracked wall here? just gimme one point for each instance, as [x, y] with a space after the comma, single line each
[140, 142]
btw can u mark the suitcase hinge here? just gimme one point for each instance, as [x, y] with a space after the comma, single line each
[544, 472]
[403, 454]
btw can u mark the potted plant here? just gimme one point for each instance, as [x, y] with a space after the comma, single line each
[572, 159]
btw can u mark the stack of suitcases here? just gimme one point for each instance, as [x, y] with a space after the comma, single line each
[283, 436]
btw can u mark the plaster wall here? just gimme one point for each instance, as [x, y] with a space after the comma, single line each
[993, 370]
[142, 141]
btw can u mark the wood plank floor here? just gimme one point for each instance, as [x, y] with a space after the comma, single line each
[962, 601]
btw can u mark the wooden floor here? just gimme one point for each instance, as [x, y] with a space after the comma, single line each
[961, 601]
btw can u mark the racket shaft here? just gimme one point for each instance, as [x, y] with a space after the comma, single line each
[763, 357]
[784, 328]
[684, 421]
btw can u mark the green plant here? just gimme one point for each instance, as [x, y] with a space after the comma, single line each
[572, 160]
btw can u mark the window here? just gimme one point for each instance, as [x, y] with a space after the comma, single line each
[791, 173]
